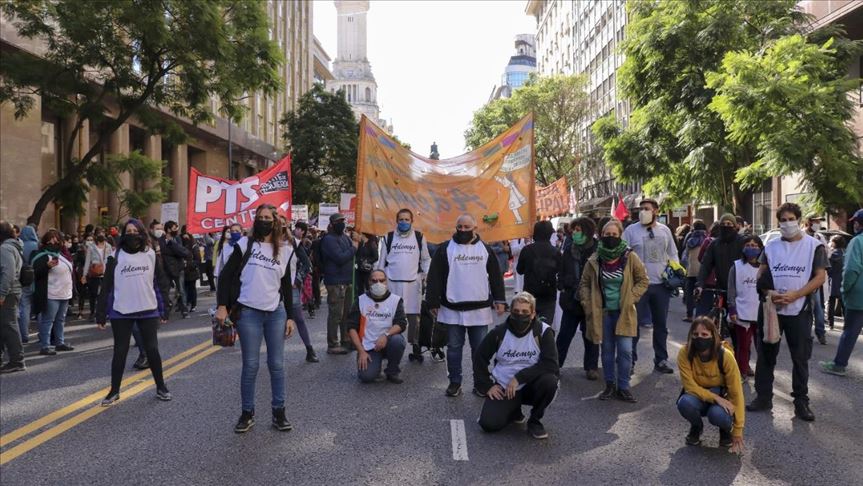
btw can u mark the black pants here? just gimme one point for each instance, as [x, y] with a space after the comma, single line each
[497, 414]
[207, 270]
[316, 288]
[122, 330]
[798, 332]
[569, 324]
[545, 307]
[94, 284]
[191, 289]
[833, 305]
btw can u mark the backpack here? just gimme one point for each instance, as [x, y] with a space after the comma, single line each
[27, 276]
[542, 277]
[419, 237]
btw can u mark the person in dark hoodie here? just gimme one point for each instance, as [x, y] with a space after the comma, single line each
[573, 260]
[539, 262]
[337, 253]
[689, 260]
[11, 261]
[525, 370]
[31, 244]
[718, 260]
[463, 283]
[174, 256]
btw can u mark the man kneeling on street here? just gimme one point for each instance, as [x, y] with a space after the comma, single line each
[525, 370]
[375, 325]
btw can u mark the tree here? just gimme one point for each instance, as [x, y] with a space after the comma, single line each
[559, 105]
[677, 141]
[322, 136]
[112, 61]
[135, 201]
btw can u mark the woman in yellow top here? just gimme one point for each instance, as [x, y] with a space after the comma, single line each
[709, 391]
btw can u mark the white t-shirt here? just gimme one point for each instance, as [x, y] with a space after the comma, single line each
[133, 282]
[515, 354]
[261, 279]
[376, 318]
[60, 279]
[654, 252]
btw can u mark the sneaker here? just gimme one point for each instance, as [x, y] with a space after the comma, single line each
[164, 395]
[11, 367]
[416, 356]
[110, 399]
[831, 368]
[63, 347]
[185, 315]
[311, 356]
[479, 393]
[802, 411]
[437, 355]
[47, 352]
[822, 339]
[193, 309]
[592, 375]
[609, 392]
[453, 390]
[395, 379]
[647, 325]
[536, 430]
[246, 422]
[694, 436]
[336, 350]
[141, 363]
[626, 396]
[725, 438]
[518, 417]
[760, 405]
[663, 367]
[280, 422]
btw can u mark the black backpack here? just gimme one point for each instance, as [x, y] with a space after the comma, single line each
[419, 237]
[542, 277]
[27, 275]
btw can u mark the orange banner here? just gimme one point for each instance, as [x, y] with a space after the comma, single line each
[494, 184]
[552, 200]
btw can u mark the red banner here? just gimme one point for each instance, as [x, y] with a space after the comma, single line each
[552, 200]
[215, 202]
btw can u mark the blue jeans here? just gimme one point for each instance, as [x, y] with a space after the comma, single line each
[655, 301]
[692, 409]
[24, 306]
[569, 324]
[853, 326]
[256, 326]
[393, 353]
[615, 350]
[818, 313]
[54, 314]
[456, 343]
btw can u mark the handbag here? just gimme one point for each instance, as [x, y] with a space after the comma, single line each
[96, 270]
[771, 320]
[225, 334]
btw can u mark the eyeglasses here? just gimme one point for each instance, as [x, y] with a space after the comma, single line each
[650, 233]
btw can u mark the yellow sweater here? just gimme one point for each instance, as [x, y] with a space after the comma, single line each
[698, 377]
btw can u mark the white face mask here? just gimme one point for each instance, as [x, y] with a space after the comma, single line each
[816, 227]
[645, 216]
[378, 289]
[789, 229]
[158, 233]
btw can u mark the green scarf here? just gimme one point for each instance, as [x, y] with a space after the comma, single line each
[578, 238]
[609, 254]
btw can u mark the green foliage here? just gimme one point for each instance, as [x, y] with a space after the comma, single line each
[684, 142]
[322, 136]
[559, 104]
[139, 57]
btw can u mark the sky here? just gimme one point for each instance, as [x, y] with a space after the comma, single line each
[435, 62]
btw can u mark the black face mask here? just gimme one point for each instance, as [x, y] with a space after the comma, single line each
[262, 228]
[463, 237]
[520, 324]
[339, 227]
[55, 248]
[727, 233]
[610, 242]
[702, 344]
[132, 243]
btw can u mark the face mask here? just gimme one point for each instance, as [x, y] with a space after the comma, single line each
[339, 227]
[53, 247]
[262, 228]
[815, 227]
[100, 239]
[579, 238]
[404, 226]
[378, 289]
[235, 237]
[132, 243]
[159, 233]
[610, 242]
[751, 253]
[645, 217]
[701, 344]
[463, 237]
[520, 323]
[727, 233]
[789, 229]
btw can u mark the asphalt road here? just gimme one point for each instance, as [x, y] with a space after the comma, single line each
[347, 433]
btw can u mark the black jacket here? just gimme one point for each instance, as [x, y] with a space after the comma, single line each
[439, 273]
[174, 255]
[229, 278]
[487, 349]
[719, 257]
[572, 264]
[527, 260]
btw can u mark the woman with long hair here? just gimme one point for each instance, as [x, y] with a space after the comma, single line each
[55, 274]
[711, 386]
[257, 285]
[134, 292]
[743, 302]
[230, 236]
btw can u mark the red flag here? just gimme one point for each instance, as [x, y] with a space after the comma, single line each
[621, 212]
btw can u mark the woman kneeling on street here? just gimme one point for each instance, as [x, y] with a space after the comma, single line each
[256, 285]
[711, 386]
[525, 370]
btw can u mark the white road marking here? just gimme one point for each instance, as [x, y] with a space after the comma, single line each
[459, 440]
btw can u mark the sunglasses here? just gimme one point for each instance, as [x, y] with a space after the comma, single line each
[650, 233]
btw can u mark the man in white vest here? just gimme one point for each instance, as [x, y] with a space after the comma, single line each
[792, 268]
[464, 281]
[405, 259]
[375, 326]
[525, 369]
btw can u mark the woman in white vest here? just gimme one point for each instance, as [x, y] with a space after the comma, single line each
[792, 267]
[524, 370]
[375, 325]
[464, 282]
[743, 300]
[405, 259]
[134, 291]
[257, 285]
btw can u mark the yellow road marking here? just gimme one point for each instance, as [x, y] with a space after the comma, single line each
[67, 424]
[53, 416]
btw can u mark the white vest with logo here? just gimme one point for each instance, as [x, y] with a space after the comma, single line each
[790, 265]
[133, 282]
[468, 278]
[376, 318]
[515, 354]
[746, 300]
[261, 279]
[403, 258]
